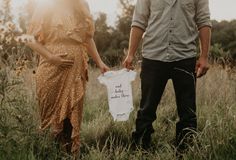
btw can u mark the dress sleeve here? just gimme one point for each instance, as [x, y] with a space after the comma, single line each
[84, 28]
[89, 20]
[36, 26]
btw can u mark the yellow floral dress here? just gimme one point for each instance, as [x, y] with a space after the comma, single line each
[60, 91]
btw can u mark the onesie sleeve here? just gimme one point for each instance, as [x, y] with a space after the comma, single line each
[102, 79]
[132, 75]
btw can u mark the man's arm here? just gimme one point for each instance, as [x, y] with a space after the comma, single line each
[135, 39]
[139, 25]
[205, 40]
[204, 26]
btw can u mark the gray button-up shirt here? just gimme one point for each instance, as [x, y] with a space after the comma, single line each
[171, 27]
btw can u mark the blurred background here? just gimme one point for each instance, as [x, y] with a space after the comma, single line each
[113, 21]
[102, 138]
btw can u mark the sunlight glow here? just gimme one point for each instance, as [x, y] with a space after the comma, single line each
[220, 10]
[44, 2]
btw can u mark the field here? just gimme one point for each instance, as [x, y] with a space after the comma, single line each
[104, 139]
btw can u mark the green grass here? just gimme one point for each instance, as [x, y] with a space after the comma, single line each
[103, 139]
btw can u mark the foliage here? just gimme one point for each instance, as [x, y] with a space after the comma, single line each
[216, 140]
[19, 136]
[224, 40]
[115, 39]
[112, 41]
[13, 53]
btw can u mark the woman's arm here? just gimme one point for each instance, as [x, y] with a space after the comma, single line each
[40, 49]
[92, 51]
[51, 58]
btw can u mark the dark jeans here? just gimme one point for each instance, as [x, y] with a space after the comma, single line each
[154, 77]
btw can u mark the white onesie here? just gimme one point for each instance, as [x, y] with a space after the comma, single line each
[119, 90]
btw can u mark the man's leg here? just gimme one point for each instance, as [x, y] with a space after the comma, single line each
[154, 76]
[184, 81]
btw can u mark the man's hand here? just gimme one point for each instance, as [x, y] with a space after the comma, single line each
[128, 62]
[202, 66]
[135, 38]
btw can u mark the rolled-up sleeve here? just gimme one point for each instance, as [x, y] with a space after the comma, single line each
[141, 14]
[203, 14]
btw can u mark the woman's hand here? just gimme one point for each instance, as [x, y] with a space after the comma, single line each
[59, 60]
[103, 67]
[92, 51]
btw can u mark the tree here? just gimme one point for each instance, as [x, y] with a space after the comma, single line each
[224, 37]
[102, 33]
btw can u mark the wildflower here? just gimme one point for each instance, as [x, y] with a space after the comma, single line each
[21, 68]
[3, 29]
[11, 26]
[19, 29]
[25, 38]
[8, 40]
[18, 39]
[18, 72]
[18, 62]
[2, 37]
[30, 39]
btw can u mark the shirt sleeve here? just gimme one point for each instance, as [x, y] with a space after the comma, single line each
[141, 14]
[202, 14]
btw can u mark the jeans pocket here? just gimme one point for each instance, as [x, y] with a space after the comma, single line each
[187, 64]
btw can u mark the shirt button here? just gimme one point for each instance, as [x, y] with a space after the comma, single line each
[170, 31]
[171, 18]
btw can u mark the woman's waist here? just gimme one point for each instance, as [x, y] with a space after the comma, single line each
[71, 51]
[65, 45]
[63, 48]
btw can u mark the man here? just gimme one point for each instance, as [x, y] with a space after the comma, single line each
[171, 28]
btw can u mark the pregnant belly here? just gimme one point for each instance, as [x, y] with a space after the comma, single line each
[70, 50]
[62, 49]
[75, 52]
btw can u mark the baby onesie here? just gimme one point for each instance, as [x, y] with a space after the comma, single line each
[119, 90]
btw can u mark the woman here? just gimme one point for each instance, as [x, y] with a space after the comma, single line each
[63, 31]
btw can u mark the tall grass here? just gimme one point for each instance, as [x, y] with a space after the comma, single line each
[104, 139]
